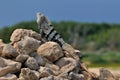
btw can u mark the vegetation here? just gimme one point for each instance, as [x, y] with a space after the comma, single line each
[100, 41]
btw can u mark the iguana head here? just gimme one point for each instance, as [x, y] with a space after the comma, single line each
[42, 20]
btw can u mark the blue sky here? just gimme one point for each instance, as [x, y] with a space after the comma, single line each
[13, 11]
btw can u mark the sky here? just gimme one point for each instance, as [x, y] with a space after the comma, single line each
[14, 11]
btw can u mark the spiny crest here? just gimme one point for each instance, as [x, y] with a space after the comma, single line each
[42, 19]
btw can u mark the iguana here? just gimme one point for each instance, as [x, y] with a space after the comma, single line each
[48, 33]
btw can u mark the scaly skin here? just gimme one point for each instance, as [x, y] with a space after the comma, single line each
[45, 27]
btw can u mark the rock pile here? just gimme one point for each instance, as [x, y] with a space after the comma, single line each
[28, 58]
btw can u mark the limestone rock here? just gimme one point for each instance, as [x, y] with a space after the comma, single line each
[27, 45]
[19, 34]
[9, 77]
[70, 51]
[45, 72]
[32, 63]
[64, 61]
[51, 50]
[27, 74]
[67, 68]
[9, 52]
[8, 66]
[54, 68]
[22, 58]
[106, 75]
[1, 46]
[75, 76]
[48, 78]
[63, 75]
[87, 76]
[40, 60]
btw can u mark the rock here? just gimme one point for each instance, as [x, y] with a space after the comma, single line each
[70, 52]
[32, 63]
[48, 78]
[8, 66]
[64, 61]
[27, 45]
[63, 75]
[1, 46]
[75, 76]
[19, 34]
[22, 58]
[9, 52]
[45, 72]
[87, 76]
[40, 59]
[51, 50]
[67, 68]
[54, 68]
[9, 77]
[105, 74]
[27, 74]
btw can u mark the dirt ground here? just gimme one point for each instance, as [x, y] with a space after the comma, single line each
[113, 71]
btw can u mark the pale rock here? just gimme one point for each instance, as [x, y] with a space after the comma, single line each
[75, 76]
[64, 61]
[70, 51]
[22, 58]
[40, 59]
[67, 68]
[1, 46]
[54, 68]
[51, 50]
[87, 76]
[8, 66]
[105, 74]
[9, 51]
[27, 74]
[45, 72]
[9, 77]
[32, 63]
[63, 75]
[27, 45]
[19, 34]
[48, 78]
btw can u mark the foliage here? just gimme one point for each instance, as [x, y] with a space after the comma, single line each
[102, 58]
[80, 35]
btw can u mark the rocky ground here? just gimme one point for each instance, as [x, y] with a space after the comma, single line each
[26, 57]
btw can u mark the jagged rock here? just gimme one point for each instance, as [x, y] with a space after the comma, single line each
[32, 63]
[48, 78]
[19, 34]
[45, 72]
[9, 77]
[27, 74]
[70, 52]
[9, 52]
[8, 66]
[117, 76]
[75, 76]
[54, 68]
[27, 45]
[63, 75]
[51, 50]
[40, 59]
[22, 58]
[106, 75]
[67, 68]
[64, 61]
[87, 76]
[1, 46]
